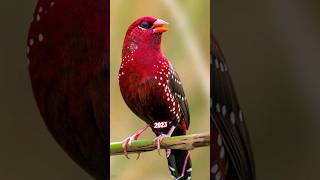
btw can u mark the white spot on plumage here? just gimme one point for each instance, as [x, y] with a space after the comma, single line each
[40, 9]
[218, 107]
[219, 140]
[221, 67]
[171, 168]
[240, 116]
[159, 84]
[40, 37]
[217, 63]
[52, 4]
[222, 152]
[224, 110]
[38, 17]
[232, 118]
[31, 42]
[215, 168]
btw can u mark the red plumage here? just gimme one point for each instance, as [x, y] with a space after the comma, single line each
[151, 87]
[68, 45]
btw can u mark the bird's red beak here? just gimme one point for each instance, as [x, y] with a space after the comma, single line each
[158, 26]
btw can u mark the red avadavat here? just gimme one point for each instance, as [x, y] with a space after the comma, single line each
[153, 91]
[68, 52]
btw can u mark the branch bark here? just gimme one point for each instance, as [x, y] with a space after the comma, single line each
[187, 142]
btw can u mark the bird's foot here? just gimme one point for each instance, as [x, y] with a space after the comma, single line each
[127, 141]
[161, 137]
[158, 141]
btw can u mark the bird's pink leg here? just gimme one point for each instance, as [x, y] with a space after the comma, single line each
[129, 140]
[184, 166]
[160, 138]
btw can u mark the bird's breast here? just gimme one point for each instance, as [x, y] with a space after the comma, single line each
[145, 89]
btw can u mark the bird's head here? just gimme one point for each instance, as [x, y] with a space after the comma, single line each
[145, 32]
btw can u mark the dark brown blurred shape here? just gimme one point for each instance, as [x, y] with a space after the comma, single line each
[231, 155]
[68, 52]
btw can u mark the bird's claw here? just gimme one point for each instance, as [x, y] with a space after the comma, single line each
[158, 141]
[127, 141]
[125, 144]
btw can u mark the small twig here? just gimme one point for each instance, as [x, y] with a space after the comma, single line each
[187, 142]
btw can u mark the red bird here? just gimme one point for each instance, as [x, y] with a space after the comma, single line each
[153, 91]
[68, 52]
[231, 156]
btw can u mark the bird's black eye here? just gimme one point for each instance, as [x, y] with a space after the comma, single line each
[145, 24]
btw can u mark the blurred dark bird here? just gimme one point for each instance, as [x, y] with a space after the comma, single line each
[68, 52]
[153, 91]
[231, 156]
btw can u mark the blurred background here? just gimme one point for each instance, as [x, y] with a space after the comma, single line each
[273, 50]
[27, 150]
[186, 45]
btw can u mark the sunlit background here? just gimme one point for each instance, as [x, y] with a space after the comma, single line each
[186, 45]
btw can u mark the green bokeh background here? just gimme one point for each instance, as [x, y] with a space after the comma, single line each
[123, 121]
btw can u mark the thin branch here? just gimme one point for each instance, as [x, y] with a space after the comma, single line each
[187, 142]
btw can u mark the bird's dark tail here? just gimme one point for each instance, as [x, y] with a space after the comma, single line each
[179, 161]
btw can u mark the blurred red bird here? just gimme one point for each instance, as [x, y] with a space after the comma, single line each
[68, 52]
[153, 91]
[231, 156]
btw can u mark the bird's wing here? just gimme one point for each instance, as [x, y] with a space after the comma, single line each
[227, 116]
[176, 88]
